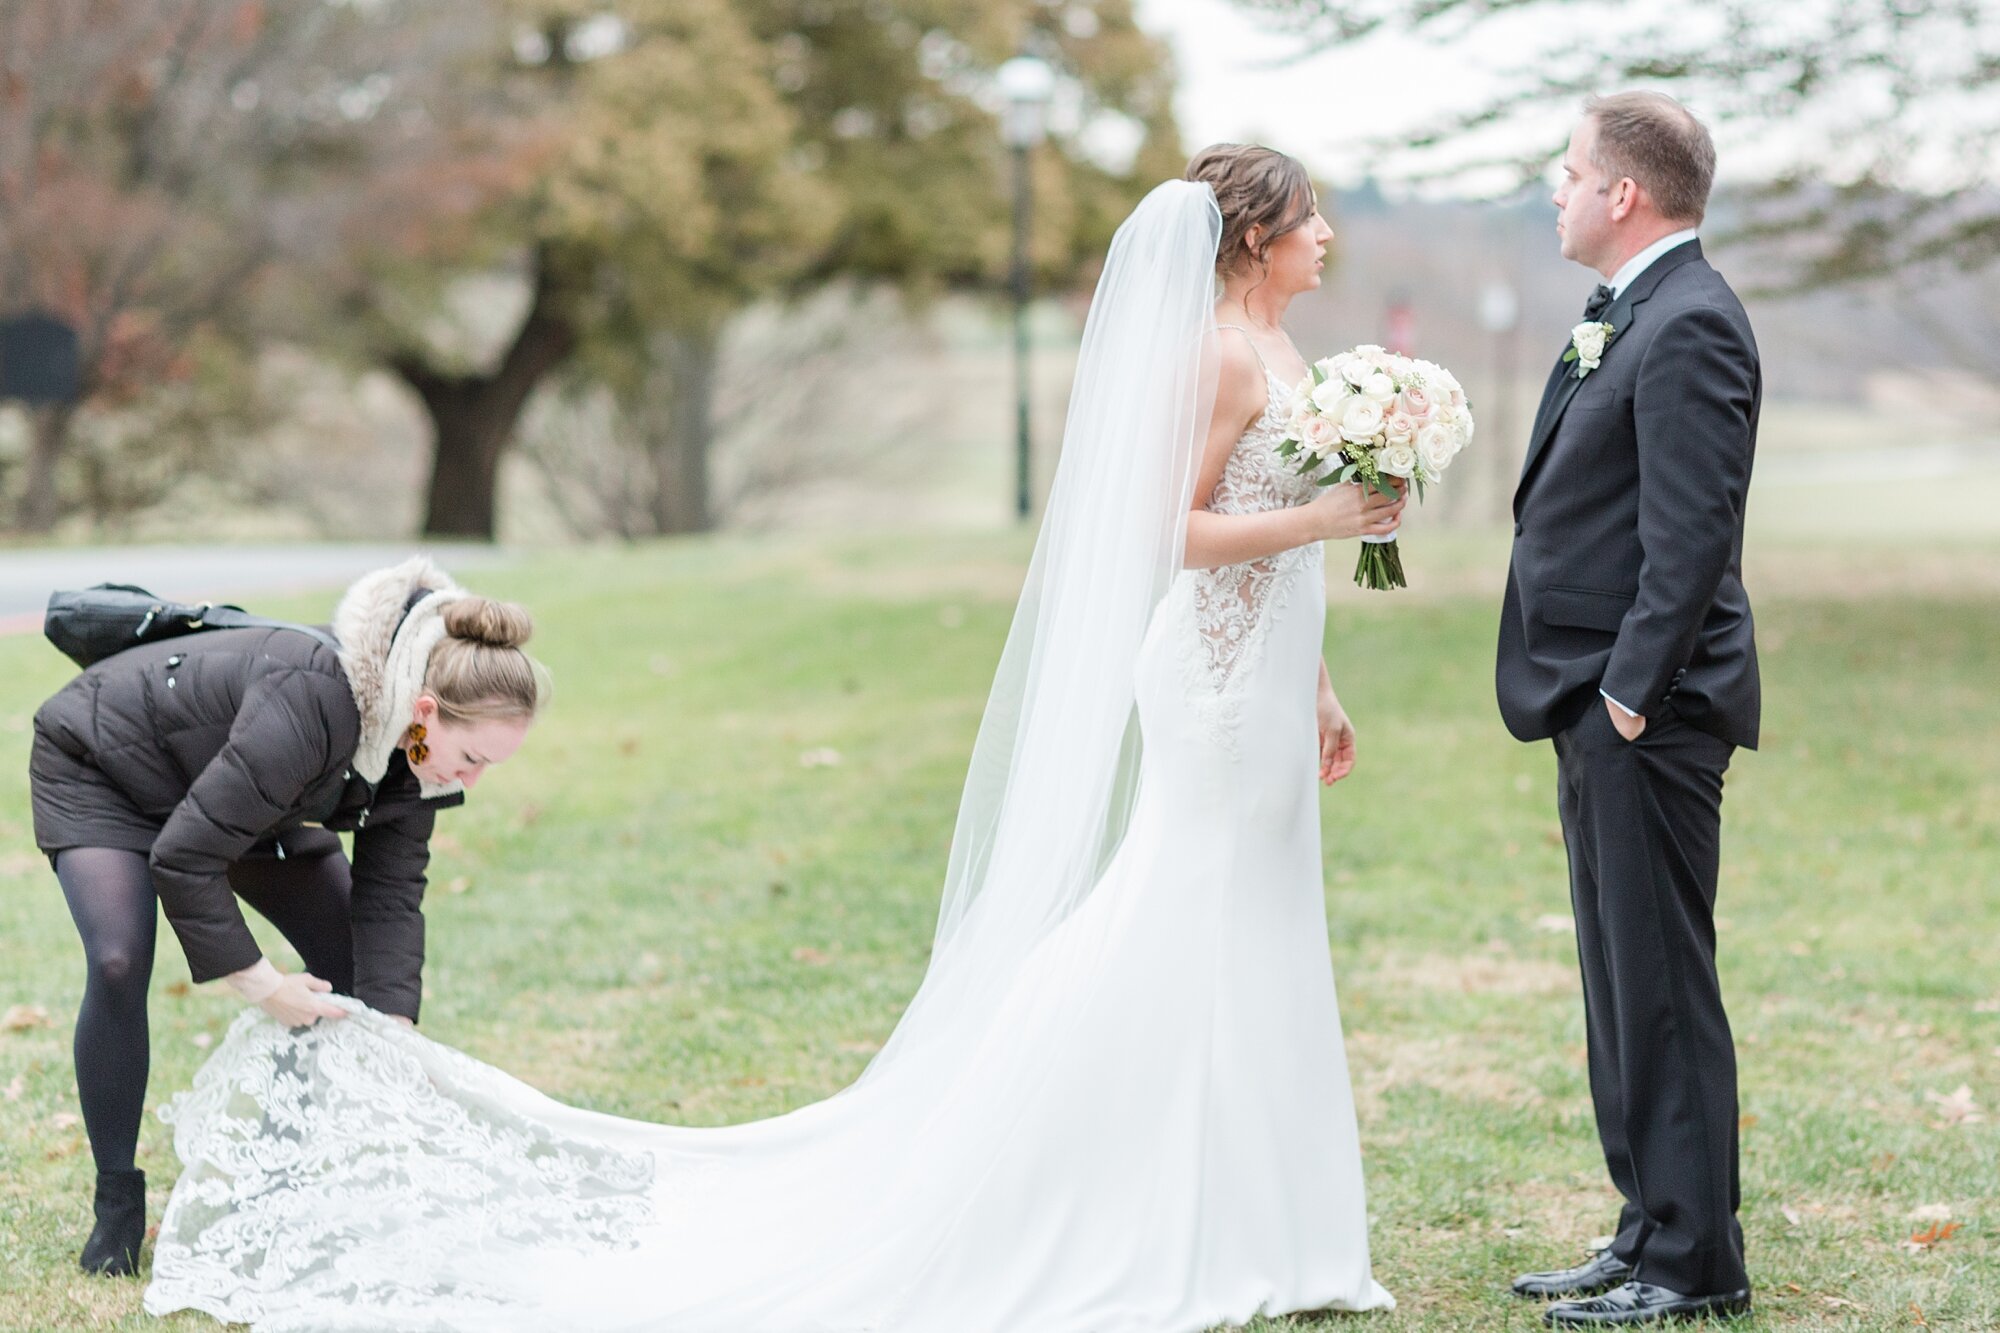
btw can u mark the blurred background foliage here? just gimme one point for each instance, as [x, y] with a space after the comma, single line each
[559, 270]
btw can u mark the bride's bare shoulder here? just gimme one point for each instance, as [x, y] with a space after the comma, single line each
[1240, 389]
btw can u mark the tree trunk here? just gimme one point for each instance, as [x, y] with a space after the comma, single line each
[39, 505]
[683, 426]
[473, 416]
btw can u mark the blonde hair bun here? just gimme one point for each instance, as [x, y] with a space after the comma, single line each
[485, 621]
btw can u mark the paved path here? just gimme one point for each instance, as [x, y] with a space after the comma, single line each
[197, 573]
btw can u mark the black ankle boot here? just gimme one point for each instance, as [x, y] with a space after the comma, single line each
[113, 1247]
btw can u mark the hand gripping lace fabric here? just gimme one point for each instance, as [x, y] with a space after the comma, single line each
[299, 1177]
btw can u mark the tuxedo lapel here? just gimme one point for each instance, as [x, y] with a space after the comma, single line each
[1565, 383]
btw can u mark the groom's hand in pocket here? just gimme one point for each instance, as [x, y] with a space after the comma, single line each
[1629, 725]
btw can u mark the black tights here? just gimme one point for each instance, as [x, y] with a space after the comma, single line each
[110, 893]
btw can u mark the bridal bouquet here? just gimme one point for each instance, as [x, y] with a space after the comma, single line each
[1367, 415]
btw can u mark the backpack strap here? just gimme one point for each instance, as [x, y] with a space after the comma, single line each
[230, 617]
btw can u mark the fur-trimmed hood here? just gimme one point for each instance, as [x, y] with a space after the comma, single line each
[386, 652]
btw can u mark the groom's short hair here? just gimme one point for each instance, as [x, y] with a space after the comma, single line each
[1658, 143]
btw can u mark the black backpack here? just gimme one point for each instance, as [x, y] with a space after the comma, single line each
[105, 620]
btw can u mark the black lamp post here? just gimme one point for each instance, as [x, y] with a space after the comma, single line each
[1026, 83]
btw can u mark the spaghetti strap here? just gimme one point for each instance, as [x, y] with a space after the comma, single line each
[1253, 344]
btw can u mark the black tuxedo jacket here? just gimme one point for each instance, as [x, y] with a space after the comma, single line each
[1628, 522]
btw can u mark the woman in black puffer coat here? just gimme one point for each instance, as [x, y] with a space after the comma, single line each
[218, 766]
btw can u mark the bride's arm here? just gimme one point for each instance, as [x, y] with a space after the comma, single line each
[1230, 539]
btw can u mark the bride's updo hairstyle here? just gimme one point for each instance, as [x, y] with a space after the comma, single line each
[1254, 187]
[478, 670]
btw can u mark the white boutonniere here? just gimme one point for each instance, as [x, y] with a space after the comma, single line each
[1587, 342]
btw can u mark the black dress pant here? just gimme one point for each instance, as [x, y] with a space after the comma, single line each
[1643, 824]
[111, 899]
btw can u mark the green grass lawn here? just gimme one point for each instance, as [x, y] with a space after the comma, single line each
[659, 910]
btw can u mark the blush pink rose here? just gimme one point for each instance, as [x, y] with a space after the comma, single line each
[1415, 403]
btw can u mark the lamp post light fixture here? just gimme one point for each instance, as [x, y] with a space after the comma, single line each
[1026, 84]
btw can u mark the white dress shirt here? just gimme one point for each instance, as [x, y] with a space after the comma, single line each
[1624, 278]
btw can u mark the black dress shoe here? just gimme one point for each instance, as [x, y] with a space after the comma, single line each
[1604, 1271]
[113, 1247]
[1644, 1303]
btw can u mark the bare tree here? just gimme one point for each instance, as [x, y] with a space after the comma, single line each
[159, 161]
[1875, 120]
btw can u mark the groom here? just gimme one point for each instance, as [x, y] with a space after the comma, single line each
[1626, 637]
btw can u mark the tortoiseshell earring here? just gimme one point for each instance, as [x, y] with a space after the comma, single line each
[415, 736]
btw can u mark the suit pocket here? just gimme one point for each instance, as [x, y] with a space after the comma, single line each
[1586, 608]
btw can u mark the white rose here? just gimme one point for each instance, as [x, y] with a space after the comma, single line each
[1320, 435]
[1588, 339]
[1435, 445]
[1462, 429]
[1330, 395]
[1381, 388]
[1360, 419]
[1399, 428]
[1356, 371]
[1398, 460]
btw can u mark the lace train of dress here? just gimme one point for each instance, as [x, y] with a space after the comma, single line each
[1153, 1132]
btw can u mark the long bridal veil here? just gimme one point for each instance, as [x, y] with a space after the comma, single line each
[1054, 766]
[357, 1175]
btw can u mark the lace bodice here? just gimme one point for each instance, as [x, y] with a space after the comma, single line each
[1226, 610]
[1255, 479]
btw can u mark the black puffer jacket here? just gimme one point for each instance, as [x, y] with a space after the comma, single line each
[228, 743]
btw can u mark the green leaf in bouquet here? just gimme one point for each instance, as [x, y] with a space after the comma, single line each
[1569, 356]
[1383, 487]
[1347, 473]
[1319, 376]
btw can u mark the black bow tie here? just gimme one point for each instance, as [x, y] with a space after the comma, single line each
[1598, 300]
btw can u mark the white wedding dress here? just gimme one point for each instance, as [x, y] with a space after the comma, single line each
[1143, 1126]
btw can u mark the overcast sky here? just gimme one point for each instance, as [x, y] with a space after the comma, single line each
[1241, 80]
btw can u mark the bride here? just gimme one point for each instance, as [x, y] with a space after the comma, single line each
[1119, 1101]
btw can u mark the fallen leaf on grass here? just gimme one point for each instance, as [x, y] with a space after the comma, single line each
[1795, 1289]
[1746, 1122]
[1923, 1240]
[1917, 1314]
[1842, 1303]
[1956, 1109]
[21, 1017]
[1793, 1216]
[177, 989]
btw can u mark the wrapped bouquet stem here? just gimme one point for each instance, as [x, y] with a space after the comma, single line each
[1366, 416]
